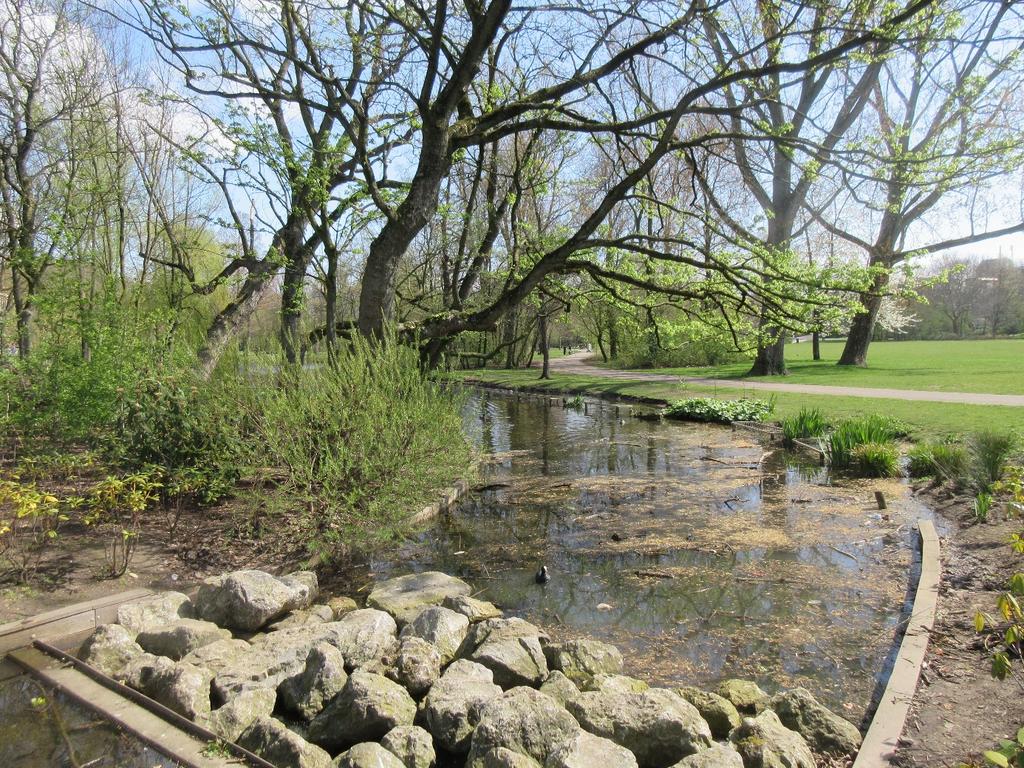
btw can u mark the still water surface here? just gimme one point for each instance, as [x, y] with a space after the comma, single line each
[698, 551]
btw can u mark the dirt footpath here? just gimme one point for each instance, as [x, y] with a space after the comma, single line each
[959, 709]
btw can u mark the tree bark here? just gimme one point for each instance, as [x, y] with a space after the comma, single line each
[771, 357]
[816, 345]
[862, 328]
[545, 372]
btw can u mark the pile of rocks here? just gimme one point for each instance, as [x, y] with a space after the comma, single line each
[427, 673]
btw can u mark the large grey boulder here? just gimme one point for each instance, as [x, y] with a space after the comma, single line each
[524, 721]
[247, 600]
[177, 639]
[580, 660]
[306, 586]
[109, 649]
[412, 745]
[658, 726]
[559, 687]
[366, 638]
[405, 596]
[368, 754]
[745, 695]
[719, 712]
[615, 684]
[341, 605]
[137, 672]
[368, 707]
[717, 756]
[315, 614]
[441, 627]
[274, 742]
[154, 611]
[453, 705]
[218, 655]
[181, 687]
[268, 661]
[585, 750]
[502, 757]
[511, 649]
[473, 609]
[764, 742]
[230, 720]
[417, 667]
[823, 730]
[323, 677]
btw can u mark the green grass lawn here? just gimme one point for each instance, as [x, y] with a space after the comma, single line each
[927, 420]
[994, 366]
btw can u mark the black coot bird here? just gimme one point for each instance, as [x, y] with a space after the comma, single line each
[542, 576]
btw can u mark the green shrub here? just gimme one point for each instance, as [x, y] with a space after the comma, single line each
[990, 451]
[876, 460]
[182, 426]
[722, 411]
[358, 444]
[854, 432]
[947, 462]
[809, 422]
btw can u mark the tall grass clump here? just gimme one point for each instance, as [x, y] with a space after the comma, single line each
[809, 422]
[358, 443]
[876, 460]
[946, 462]
[990, 451]
[847, 435]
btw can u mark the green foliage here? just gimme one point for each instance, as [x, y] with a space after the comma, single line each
[876, 460]
[947, 462]
[29, 519]
[182, 426]
[1010, 753]
[68, 389]
[809, 422]
[722, 411]
[848, 435]
[358, 443]
[982, 506]
[990, 451]
[115, 506]
[576, 402]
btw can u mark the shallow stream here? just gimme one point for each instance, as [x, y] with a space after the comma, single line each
[700, 552]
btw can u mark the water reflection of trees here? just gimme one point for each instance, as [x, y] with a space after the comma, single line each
[710, 618]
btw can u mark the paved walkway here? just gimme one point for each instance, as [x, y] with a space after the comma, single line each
[583, 364]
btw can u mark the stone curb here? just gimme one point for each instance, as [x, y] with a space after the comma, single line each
[883, 735]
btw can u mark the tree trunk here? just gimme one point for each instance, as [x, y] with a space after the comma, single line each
[816, 345]
[545, 372]
[331, 305]
[862, 328]
[771, 357]
[25, 310]
[613, 341]
[227, 322]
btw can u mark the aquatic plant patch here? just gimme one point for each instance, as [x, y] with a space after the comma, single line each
[720, 411]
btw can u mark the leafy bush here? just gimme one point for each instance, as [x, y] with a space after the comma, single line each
[809, 422]
[183, 427]
[722, 411]
[873, 429]
[876, 460]
[1010, 753]
[29, 518]
[115, 506]
[359, 443]
[990, 451]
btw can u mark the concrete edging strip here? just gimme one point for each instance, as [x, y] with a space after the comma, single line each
[883, 735]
